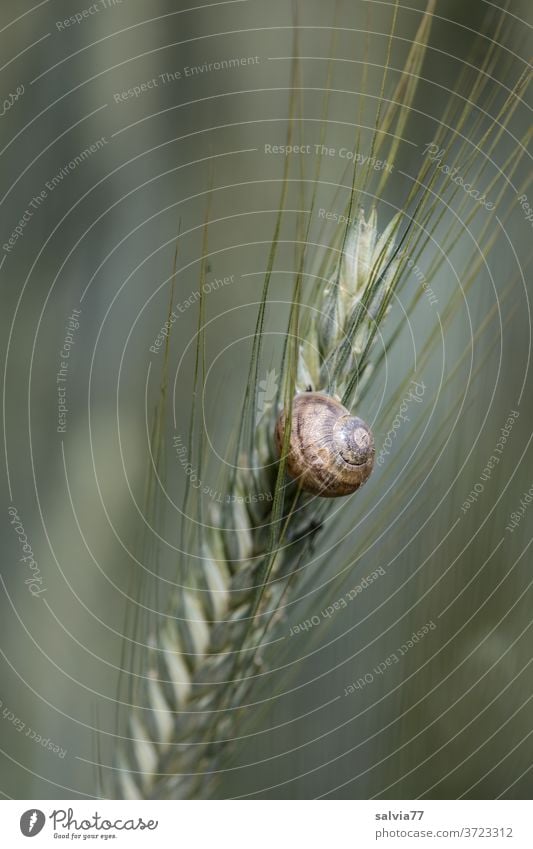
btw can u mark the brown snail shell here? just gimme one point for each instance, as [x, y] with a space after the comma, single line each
[331, 452]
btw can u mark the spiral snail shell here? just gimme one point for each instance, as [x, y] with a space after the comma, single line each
[331, 452]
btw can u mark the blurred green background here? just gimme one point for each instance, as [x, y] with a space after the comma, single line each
[452, 717]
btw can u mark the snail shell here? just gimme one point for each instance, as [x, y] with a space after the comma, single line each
[331, 452]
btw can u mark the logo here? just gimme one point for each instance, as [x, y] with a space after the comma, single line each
[32, 822]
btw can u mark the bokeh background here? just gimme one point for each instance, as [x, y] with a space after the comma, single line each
[453, 717]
